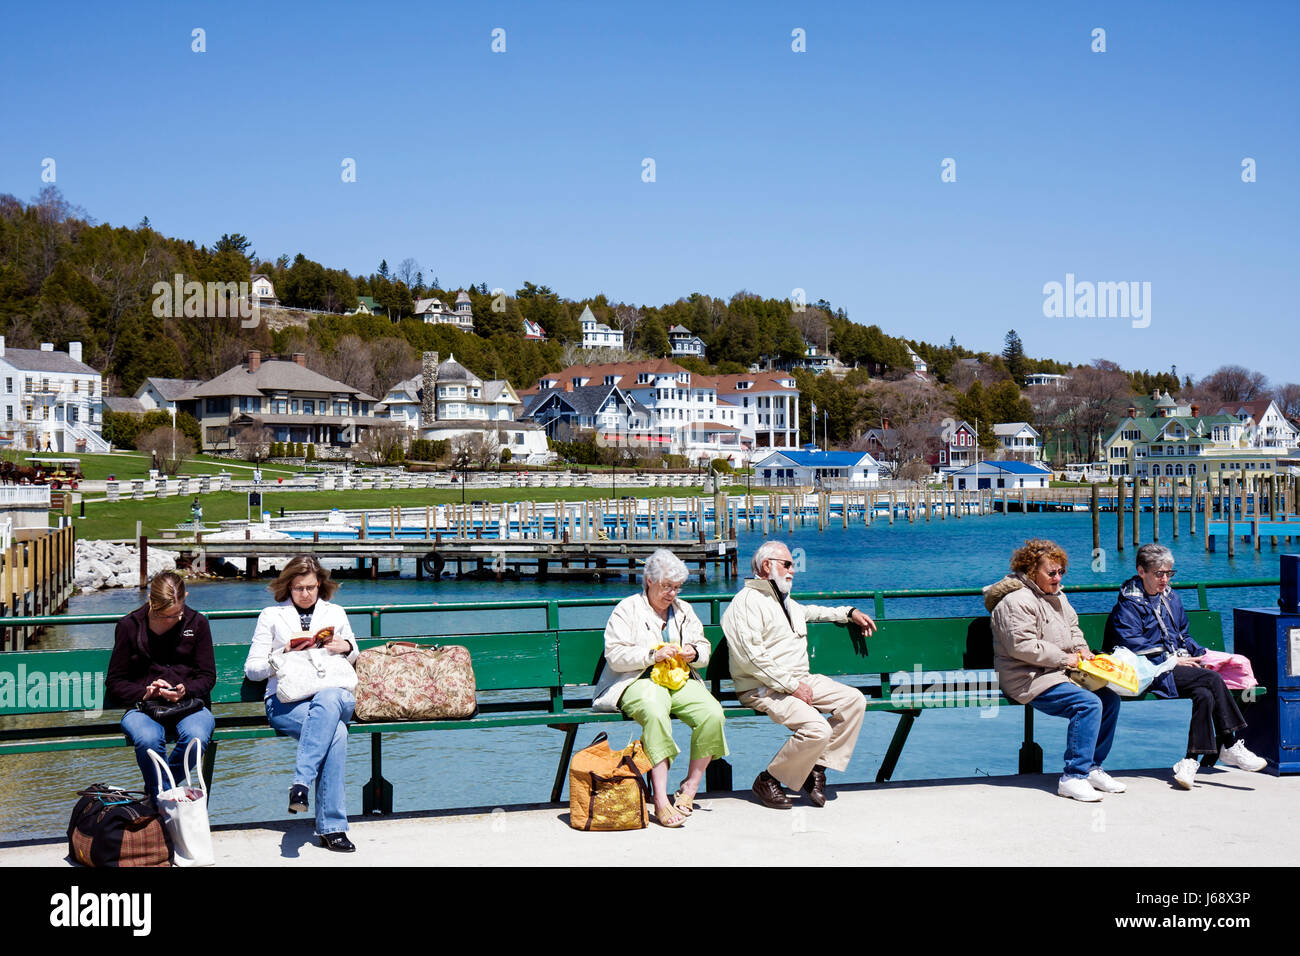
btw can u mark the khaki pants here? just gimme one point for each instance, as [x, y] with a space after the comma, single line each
[816, 740]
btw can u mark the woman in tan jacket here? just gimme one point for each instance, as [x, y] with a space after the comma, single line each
[1036, 640]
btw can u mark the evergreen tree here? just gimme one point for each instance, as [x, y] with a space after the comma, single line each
[383, 268]
[1013, 353]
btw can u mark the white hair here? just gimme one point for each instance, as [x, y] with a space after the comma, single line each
[766, 550]
[1152, 557]
[663, 565]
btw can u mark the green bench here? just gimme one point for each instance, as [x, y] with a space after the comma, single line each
[533, 679]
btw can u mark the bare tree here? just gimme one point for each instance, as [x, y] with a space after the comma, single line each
[812, 324]
[487, 449]
[1288, 400]
[170, 447]
[406, 270]
[1234, 383]
[627, 318]
[253, 441]
[381, 443]
[1097, 395]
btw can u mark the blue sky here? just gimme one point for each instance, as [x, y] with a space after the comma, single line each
[774, 169]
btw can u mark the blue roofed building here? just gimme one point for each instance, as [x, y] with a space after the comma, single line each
[812, 468]
[1001, 474]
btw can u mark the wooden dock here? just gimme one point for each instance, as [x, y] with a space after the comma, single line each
[35, 578]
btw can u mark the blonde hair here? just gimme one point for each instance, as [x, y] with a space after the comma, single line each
[1027, 557]
[165, 589]
[296, 568]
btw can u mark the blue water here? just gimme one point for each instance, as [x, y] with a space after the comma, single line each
[499, 767]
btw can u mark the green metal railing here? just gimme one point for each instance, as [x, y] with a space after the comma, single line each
[715, 603]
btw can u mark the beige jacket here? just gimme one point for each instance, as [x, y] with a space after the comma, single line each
[631, 635]
[767, 648]
[1035, 636]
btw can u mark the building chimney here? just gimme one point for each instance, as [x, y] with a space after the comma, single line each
[885, 423]
[429, 383]
[47, 346]
[254, 360]
[1196, 409]
[1132, 411]
[300, 358]
[74, 351]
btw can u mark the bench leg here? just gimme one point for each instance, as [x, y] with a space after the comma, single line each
[570, 732]
[377, 795]
[905, 721]
[209, 760]
[1031, 755]
[717, 775]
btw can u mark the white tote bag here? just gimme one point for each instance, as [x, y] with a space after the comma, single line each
[184, 810]
[300, 674]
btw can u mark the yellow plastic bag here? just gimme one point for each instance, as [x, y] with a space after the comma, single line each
[1112, 671]
[672, 673]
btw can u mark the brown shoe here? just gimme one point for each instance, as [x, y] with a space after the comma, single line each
[769, 792]
[815, 787]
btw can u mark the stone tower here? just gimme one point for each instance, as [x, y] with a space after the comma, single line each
[429, 382]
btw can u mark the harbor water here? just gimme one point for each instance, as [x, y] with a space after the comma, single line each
[498, 767]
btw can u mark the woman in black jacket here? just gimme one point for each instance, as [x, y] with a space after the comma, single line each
[163, 668]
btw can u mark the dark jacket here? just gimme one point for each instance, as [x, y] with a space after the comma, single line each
[1132, 624]
[140, 657]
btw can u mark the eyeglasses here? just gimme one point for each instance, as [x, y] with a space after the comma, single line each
[665, 586]
[305, 588]
[785, 564]
[1166, 573]
[1057, 573]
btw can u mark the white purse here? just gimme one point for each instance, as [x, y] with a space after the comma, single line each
[184, 810]
[301, 674]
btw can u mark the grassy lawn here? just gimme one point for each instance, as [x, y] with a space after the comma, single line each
[117, 519]
[135, 465]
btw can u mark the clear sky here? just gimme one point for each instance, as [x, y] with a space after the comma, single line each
[774, 169]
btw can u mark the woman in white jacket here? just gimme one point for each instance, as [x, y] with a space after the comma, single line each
[304, 615]
[651, 628]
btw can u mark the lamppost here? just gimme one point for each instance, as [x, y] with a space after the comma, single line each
[173, 411]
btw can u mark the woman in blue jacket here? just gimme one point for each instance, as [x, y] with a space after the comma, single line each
[1150, 621]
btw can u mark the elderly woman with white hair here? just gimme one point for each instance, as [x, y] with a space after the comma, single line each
[654, 648]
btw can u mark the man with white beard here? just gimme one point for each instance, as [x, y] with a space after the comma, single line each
[767, 637]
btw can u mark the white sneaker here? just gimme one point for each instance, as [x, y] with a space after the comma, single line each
[1238, 756]
[1185, 772]
[1077, 788]
[1099, 779]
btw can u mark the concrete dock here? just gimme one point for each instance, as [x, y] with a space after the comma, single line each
[1228, 818]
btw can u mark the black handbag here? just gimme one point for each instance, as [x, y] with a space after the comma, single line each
[112, 827]
[168, 713]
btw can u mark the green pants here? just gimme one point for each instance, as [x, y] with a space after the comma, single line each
[651, 706]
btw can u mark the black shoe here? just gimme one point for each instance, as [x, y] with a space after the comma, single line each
[815, 787]
[768, 790]
[338, 842]
[297, 798]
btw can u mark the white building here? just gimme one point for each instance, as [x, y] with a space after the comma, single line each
[1266, 427]
[435, 312]
[463, 404]
[1019, 440]
[918, 364]
[816, 468]
[598, 335]
[1045, 378]
[263, 292]
[684, 342]
[1001, 474]
[52, 400]
[703, 417]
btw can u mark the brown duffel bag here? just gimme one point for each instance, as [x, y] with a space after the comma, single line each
[607, 788]
[407, 681]
[112, 827]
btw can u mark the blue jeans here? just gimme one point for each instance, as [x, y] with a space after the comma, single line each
[1093, 716]
[320, 724]
[147, 734]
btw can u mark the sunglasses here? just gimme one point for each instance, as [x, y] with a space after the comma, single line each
[785, 564]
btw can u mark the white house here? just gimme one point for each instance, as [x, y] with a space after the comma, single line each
[533, 331]
[918, 363]
[1045, 378]
[1267, 426]
[817, 467]
[52, 400]
[598, 335]
[685, 342]
[1019, 440]
[435, 312]
[1001, 474]
[263, 292]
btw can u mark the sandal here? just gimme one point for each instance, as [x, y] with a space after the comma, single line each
[678, 821]
[682, 803]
